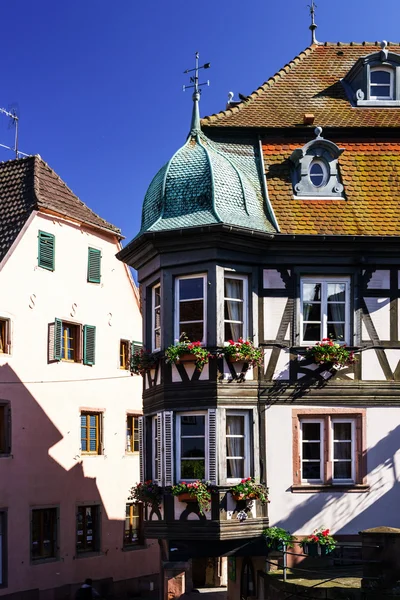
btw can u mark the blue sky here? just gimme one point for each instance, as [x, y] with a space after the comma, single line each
[98, 85]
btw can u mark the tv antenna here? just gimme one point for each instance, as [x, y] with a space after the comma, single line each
[12, 114]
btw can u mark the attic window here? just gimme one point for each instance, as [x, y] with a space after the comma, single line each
[381, 83]
[318, 173]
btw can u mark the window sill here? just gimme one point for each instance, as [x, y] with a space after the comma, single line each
[89, 455]
[379, 103]
[94, 554]
[43, 561]
[134, 453]
[321, 488]
[133, 547]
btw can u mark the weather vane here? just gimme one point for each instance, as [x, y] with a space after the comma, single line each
[313, 26]
[194, 79]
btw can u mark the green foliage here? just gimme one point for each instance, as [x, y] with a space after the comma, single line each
[174, 352]
[248, 489]
[331, 353]
[278, 536]
[198, 490]
[244, 350]
[142, 361]
[148, 492]
[320, 536]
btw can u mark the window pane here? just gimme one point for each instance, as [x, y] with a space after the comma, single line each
[311, 431]
[311, 470]
[342, 450]
[233, 310]
[336, 331]
[157, 339]
[380, 77]
[380, 90]
[235, 446]
[233, 288]
[336, 292]
[311, 332]
[193, 447]
[233, 331]
[235, 424]
[235, 468]
[342, 431]
[193, 469]
[311, 450]
[191, 311]
[317, 174]
[157, 296]
[336, 312]
[193, 331]
[191, 288]
[311, 312]
[311, 291]
[342, 470]
[157, 319]
[192, 425]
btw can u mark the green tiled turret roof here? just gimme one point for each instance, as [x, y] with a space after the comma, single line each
[207, 182]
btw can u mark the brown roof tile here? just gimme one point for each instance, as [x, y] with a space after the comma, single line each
[310, 83]
[371, 179]
[29, 184]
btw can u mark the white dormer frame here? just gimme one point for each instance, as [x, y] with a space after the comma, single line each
[385, 69]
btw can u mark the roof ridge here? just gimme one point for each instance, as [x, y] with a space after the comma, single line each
[264, 86]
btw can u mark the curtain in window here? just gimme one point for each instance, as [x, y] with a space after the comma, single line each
[234, 309]
[235, 446]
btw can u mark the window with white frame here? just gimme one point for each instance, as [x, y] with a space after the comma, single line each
[312, 448]
[237, 445]
[156, 318]
[381, 83]
[325, 309]
[190, 307]
[328, 458]
[192, 446]
[235, 307]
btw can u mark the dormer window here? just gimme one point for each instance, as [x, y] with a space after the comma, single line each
[381, 83]
[315, 169]
[318, 173]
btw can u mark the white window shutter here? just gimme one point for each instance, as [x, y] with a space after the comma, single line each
[141, 449]
[168, 447]
[159, 448]
[212, 445]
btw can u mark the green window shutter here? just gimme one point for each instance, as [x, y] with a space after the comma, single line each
[46, 245]
[57, 339]
[89, 344]
[135, 347]
[94, 265]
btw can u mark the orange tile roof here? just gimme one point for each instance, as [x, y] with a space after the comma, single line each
[310, 83]
[370, 172]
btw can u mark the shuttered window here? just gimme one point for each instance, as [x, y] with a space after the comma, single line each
[168, 448]
[91, 433]
[94, 265]
[89, 344]
[46, 245]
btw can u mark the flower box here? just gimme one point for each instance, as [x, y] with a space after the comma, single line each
[186, 497]
[187, 358]
[313, 550]
[239, 497]
[274, 545]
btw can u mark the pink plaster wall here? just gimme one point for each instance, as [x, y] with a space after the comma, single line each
[46, 466]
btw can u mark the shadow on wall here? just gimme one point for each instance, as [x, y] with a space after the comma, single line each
[35, 479]
[373, 509]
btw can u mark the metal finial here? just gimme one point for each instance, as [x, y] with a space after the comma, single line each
[194, 80]
[313, 26]
[318, 131]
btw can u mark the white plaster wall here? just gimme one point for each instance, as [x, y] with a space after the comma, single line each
[46, 466]
[343, 513]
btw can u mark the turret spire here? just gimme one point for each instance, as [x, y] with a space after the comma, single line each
[194, 79]
[313, 26]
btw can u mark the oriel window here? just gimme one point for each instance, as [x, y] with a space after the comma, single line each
[192, 446]
[235, 307]
[190, 306]
[156, 318]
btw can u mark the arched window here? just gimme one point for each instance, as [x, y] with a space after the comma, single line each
[318, 173]
[381, 83]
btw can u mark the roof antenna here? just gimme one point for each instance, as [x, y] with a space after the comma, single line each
[313, 26]
[14, 121]
[194, 80]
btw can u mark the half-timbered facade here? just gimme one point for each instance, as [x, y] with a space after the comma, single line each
[278, 222]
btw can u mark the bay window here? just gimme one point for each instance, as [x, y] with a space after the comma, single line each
[237, 445]
[325, 309]
[156, 318]
[235, 307]
[190, 307]
[191, 447]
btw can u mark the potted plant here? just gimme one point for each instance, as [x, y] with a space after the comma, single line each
[142, 361]
[276, 537]
[245, 351]
[186, 351]
[248, 489]
[330, 353]
[197, 491]
[319, 543]
[148, 492]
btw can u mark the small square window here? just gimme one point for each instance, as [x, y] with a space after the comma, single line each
[133, 531]
[91, 433]
[44, 534]
[132, 433]
[88, 529]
